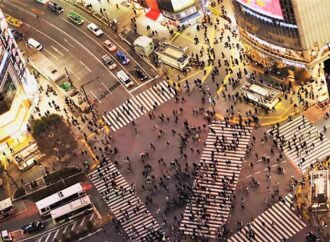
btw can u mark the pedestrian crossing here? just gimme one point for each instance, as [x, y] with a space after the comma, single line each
[215, 183]
[128, 209]
[302, 142]
[139, 105]
[277, 223]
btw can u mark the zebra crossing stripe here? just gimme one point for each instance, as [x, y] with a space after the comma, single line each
[218, 201]
[308, 141]
[274, 224]
[119, 117]
[139, 224]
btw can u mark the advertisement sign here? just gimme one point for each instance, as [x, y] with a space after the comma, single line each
[270, 8]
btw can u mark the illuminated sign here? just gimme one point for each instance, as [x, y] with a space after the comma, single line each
[270, 8]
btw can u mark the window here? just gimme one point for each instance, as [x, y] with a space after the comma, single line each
[7, 94]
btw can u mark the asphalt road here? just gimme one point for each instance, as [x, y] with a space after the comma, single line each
[75, 47]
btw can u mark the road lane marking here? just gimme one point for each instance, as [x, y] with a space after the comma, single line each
[74, 225]
[95, 96]
[106, 88]
[68, 43]
[55, 49]
[85, 66]
[98, 59]
[29, 13]
[82, 221]
[136, 88]
[66, 228]
[91, 218]
[51, 54]
[55, 235]
[47, 238]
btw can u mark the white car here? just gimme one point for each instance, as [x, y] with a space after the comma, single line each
[32, 43]
[109, 45]
[106, 59]
[95, 29]
[124, 79]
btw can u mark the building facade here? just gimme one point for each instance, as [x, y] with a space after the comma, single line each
[18, 90]
[285, 32]
[177, 12]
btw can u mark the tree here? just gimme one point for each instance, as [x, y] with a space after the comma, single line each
[53, 136]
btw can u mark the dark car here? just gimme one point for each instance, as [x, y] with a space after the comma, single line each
[55, 8]
[311, 237]
[18, 35]
[140, 74]
[32, 227]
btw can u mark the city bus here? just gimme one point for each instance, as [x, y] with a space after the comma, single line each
[72, 210]
[6, 208]
[60, 198]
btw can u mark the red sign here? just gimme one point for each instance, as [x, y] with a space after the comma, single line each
[270, 8]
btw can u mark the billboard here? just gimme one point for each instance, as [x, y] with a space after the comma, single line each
[270, 8]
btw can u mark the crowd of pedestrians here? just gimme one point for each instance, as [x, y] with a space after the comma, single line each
[172, 128]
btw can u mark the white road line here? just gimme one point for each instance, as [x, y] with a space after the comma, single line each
[57, 50]
[51, 54]
[123, 49]
[136, 88]
[91, 218]
[106, 88]
[56, 233]
[29, 13]
[47, 238]
[74, 225]
[66, 228]
[98, 60]
[82, 221]
[68, 43]
[85, 66]
[95, 96]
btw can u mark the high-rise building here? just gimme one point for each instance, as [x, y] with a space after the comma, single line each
[18, 90]
[285, 32]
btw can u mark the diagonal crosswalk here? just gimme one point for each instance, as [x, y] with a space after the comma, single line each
[138, 105]
[216, 181]
[128, 209]
[302, 142]
[277, 223]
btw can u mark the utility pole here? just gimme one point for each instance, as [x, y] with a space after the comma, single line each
[67, 74]
[86, 96]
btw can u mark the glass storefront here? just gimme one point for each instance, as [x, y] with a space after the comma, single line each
[7, 94]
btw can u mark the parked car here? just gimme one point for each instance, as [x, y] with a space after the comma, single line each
[18, 35]
[140, 74]
[122, 57]
[311, 237]
[95, 29]
[124, 79]
[55, 8]
[106, 59]
[32, 43]
[32, 227]
[75, 18]
[109, 45]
